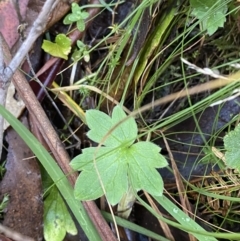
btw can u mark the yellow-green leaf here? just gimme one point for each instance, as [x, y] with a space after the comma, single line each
[61, 48]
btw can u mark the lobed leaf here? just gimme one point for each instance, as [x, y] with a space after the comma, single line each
[61, 48]
[87, 186]
[112, 170]
[210, 13]
[85, 160]
[143, 158]
[232, 146]
[127, 131]
[119, 163]
[148, 153]
[57, 219]
[100, 124]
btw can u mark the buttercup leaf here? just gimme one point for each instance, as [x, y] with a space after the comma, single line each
[118, 162]
[210, 22]
[148, 153]
[87, 186]
[112, 170]
[100, 124]
[97, 132]
[127, 131]
[143, 158]
[141, 180]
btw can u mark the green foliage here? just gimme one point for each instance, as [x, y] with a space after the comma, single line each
[106, 6]
[232, 146]
[55, 173]
[81, 52]
[2, 169]
[182, 218]
[77, 15]
[61, 48]
[4, 204]
[211, 13]
[119, 163]
[57, 220]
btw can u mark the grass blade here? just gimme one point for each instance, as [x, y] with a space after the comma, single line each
[55, 173]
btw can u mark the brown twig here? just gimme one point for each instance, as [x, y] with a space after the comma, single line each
[36, 30]
[7, 73]
[166, 230]
[4, 83]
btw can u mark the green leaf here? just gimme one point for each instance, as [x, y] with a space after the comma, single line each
[76, 56]
[82, 52]
[84, 15]
[119, 163]
[74, 16]
[80, 25]
[186, 222]
[67, 20]
[57, 220]
[211, 13]
[96, 133]
[100, 124]
[86, 56]
[81, 45]
[3, 204]
[143, 158]
[91, 189]
[76, 9]
[112, 169]
[232, 146]
[78, 15]
[146, 150]
[61, 48]
[127, 131]
[56, 174]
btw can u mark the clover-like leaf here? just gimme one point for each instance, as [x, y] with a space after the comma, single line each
[119, 163]
[81, 52]
[61, 48]
[78, 15]
[80, 25]
[77, 10]
[232, 146]
[81, 45]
